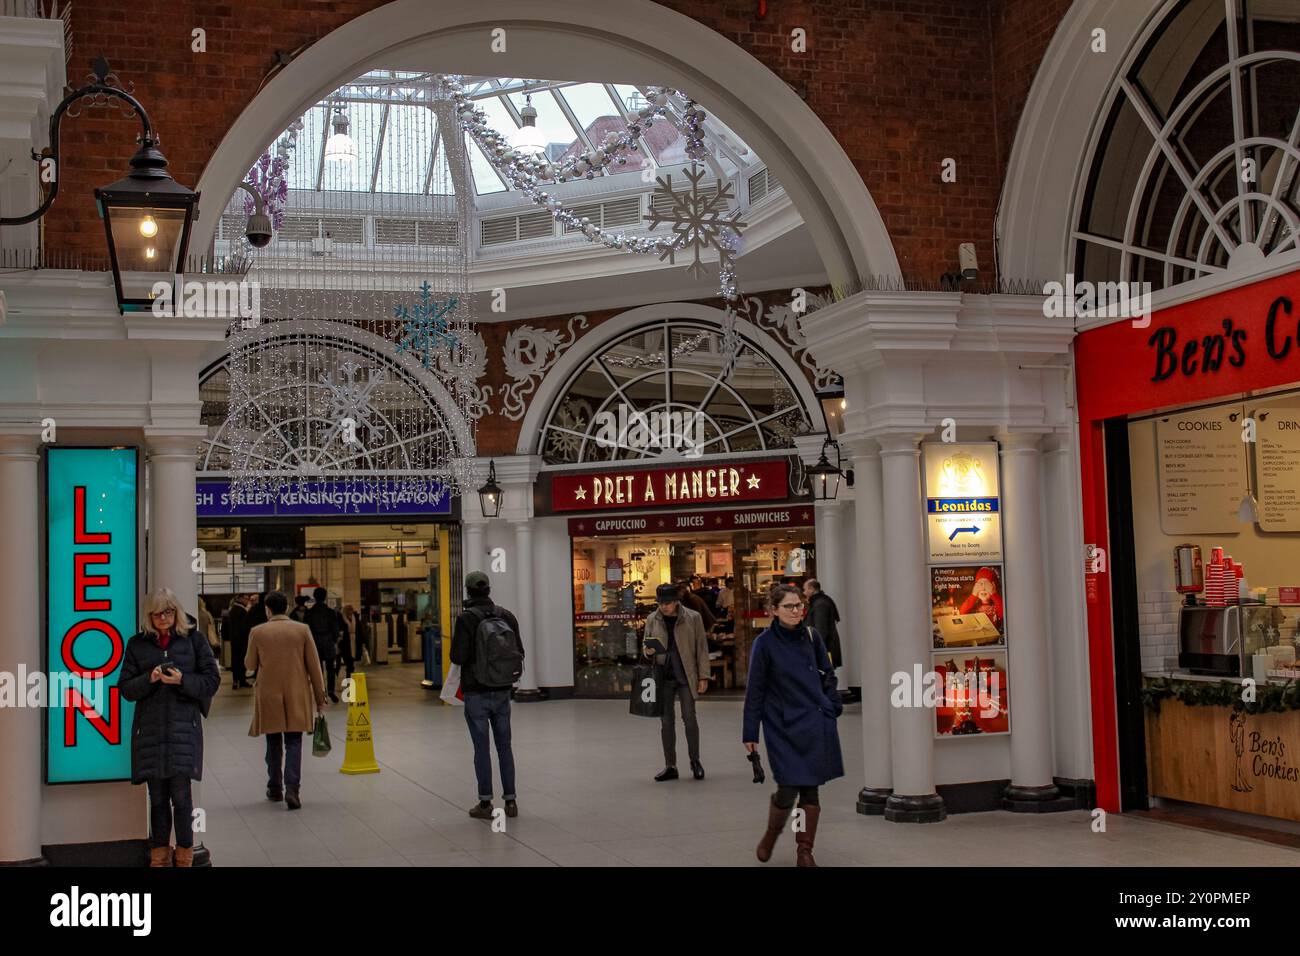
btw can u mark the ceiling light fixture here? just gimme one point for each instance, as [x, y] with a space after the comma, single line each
[528, 139]
[340, 147]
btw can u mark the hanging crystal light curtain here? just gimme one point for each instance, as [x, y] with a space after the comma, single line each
[362, 374]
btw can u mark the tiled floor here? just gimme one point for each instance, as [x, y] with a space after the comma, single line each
[586, 799]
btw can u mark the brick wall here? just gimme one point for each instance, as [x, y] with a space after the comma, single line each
[1020, 32]
[902, 84]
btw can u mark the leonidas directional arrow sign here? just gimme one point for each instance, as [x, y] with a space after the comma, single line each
[963, 514]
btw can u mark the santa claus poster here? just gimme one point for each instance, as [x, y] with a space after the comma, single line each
[967, 606]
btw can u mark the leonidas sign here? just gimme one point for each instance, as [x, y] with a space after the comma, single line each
[695, 484]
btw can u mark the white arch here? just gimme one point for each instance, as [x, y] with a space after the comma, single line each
[1065, 105]
[626, 40]
[405, 362]
[1071, 97]
[612, 329]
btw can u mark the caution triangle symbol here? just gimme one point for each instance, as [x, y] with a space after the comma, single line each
[362, 720]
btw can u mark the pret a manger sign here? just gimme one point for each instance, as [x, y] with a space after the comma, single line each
[91, 550]
[695, 484]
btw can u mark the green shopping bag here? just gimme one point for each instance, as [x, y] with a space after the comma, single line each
[320, 738]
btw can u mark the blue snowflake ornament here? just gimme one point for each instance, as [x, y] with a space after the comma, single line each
[425, 330]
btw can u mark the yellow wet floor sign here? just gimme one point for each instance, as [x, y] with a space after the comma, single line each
[360, 754]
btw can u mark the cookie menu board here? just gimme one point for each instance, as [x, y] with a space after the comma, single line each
[1277, 451]
[1202, 463]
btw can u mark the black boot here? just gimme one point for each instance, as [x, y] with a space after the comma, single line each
[697, 770]
[291, 799]
[668, 773]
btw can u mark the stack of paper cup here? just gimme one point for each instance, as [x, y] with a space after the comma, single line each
[1214, 580]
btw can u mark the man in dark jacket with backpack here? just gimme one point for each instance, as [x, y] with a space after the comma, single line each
[486, 645]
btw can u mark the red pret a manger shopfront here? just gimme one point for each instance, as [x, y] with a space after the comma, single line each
[733, 527]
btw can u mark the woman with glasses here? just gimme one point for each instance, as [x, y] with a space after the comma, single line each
[169, 671]
[791, 694]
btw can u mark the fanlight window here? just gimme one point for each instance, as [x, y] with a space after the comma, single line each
[1196, 165]
[659, 392]
[318, 405]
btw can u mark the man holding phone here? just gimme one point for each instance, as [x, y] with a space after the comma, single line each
[674, 637]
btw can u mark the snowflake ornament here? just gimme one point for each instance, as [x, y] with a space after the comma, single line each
[426, 332]
[699, 221]
[348, 396]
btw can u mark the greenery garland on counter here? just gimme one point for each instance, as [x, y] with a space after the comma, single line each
[1269, 698]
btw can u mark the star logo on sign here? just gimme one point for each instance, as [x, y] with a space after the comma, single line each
[753, 481]
[661, 522]
[717, 520]
[581, 493]
[805, 516]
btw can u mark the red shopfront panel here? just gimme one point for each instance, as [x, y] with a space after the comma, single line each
[1241, 340]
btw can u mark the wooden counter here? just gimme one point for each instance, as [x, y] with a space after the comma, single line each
[1213, 756]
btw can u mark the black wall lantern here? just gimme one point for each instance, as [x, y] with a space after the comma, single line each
[825, 477]
[489, 496]
[147, 214]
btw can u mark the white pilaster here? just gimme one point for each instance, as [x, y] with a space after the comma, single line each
[472, 538]
[1068, 643]
[173, 522]
[1031, 723]
[20, 642]
[911, 728]
[524, 563]
[870, 630]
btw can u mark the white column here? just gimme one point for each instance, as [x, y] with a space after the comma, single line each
[173, 522]
[907, 616]
[1067, 648]
[870, 632]
[173, 535]
[1031, 717]
[472, 557]
[20, 643]
[831, 563]
[524, 612]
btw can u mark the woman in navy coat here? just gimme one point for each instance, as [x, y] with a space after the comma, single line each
[170, 673]
[791, 694]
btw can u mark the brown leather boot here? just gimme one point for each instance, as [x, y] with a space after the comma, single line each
[776, 817]
[804, 840]
[185, 856]
[160, 856]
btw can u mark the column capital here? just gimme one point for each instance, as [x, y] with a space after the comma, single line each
[1054, 442]
[20, 441]
[169, 440]
[900, 443]
[1019, 442]
[859, 446]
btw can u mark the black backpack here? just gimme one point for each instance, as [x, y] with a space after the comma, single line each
[498, 662]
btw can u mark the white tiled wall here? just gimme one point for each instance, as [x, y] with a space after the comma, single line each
[1158, 627]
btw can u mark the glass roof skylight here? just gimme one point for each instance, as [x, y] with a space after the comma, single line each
[398, 141]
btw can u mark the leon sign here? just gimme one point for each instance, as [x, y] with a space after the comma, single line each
[91, 548]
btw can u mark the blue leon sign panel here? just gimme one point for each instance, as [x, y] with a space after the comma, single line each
[91, 546]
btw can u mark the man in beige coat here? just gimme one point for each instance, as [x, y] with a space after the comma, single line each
[674, 638]
[289, 679]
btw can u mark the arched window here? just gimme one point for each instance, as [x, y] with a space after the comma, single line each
[668, 377]
[1196, 165]
[329, 401]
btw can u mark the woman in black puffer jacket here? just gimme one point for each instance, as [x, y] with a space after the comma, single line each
[170, 673]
